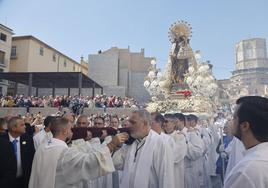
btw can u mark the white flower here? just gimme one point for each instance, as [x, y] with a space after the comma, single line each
[203, 68]
[146, 84]
[206, 67]
[151, 74]
[214, 86]
[153, 62]
[198, 80]
[208, 80]
[154, 84]
[211, 77]
[159, 75]
[191, 70]
[189, 80]
[162, 84]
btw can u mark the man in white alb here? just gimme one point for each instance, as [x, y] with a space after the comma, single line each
[45, 134]
[148, 162]
[250, 122]
[57, 166]
[179, 148]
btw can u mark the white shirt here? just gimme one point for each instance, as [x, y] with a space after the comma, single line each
[179, 150]
[251, 171]
[147, 163]
[57, 166]
[195, 148]
[19, 168]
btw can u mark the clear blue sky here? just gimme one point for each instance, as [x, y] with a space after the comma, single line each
[77, 27]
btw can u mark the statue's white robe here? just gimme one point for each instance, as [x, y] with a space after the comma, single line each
[57, 166]
[195, 148]
[251, 171]
[151, 167]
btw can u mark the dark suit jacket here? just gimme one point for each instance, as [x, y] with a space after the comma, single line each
[8, 167]
[27, 153]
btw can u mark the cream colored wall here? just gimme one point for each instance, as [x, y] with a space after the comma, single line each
[45, 63]
[30, 60]
[19, 64]
[5, 46]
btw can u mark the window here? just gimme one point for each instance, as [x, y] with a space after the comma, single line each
[14, 51]
[41, 51]
[74, 68]
[3, 37]
[54, 57]
[2, 57]
[65, 64]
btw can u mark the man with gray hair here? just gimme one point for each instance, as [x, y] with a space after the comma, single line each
[23, 150]
[148, 162]
[82, 121]
[56, 165]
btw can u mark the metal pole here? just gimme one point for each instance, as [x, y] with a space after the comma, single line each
[69, 91]
[30, 83]
[93, 90]
[53, 90]
[36, 92]
[80, 79]
[16, 88]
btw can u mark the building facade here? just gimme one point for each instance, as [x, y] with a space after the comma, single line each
[29, 54]
[250, 76]
[251, 71]
[5, 50]
[120, 72]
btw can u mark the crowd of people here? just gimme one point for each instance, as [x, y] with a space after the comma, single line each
[73, 102]
[169, 150]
